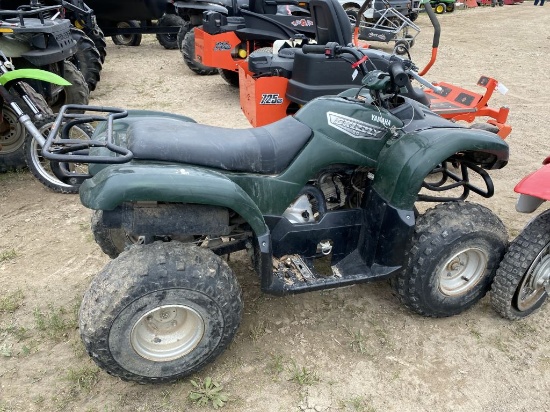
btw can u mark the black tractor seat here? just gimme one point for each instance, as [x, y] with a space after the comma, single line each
[264, 150]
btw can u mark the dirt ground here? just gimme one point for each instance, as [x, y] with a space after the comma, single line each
[351, 349]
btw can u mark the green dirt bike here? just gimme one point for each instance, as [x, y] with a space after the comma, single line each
[326, 198]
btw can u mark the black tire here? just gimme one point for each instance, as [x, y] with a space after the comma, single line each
[13, 133]
[42, 168]
[401, 47]
[98, 37]
[127, 39]
[519, 286]
[230, 76]
[143, 288]
[188, 53]
[87, 58]
[184, 29]
[353, 14]
[76, 93]
[413, 16]
[454, 255]
[12, 142]
[112, 241]
[440, 8]
[450, 7]
[485, 126]
[167, 40]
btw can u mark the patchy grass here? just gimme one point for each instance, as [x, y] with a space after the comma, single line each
[56, 323]
[8, 255]
[11, 302]
[84, 378]
[303, 376]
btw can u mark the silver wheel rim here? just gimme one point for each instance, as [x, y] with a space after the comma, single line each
[462, 271]
[533, 285]
[167, 333]
[42, 165]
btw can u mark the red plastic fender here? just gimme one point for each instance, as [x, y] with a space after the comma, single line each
[534, 189]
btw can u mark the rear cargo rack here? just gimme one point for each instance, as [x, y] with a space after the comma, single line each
[60, 147]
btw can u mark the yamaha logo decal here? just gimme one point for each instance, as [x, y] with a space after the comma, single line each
[353, 127]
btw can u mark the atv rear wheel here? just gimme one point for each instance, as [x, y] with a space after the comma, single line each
[87, 58]
[127, 39]
[188, 53]
[454, 255]
[230, 76]
[160, 312]
[42, 168]
[169, 40]
[522, 281]
[112, 241]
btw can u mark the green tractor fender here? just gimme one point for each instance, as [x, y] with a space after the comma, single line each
[405, 162]
[169, 183]
[35, 74]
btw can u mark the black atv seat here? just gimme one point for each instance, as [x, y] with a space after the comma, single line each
[264, 150]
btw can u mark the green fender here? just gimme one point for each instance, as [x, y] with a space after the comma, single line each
[405, 162]
[169, 183]
[35, 74]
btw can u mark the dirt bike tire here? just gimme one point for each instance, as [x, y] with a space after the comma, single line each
[167, 40]
[87, 58]
[512, 294]
[188, 53]
[136, 289]
[41, 168]
[454, 254]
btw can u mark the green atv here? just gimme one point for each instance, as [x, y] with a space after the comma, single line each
[329, 197]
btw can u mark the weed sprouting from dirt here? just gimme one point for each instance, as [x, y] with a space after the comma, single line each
[275, 366]
[357, 340]
[8, 255]
[84, 378]
[302, 375]
[56, 323]
[356, 404]
[208, 392]
[11, 302]
[257, 331]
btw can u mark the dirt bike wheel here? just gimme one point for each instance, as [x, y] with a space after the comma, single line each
[160, 312]
[87, 58]
[76, 93]
[13, 133]
[520, 284]
[168, 40]
[127, 39]
[230, 77]
[42, 168]
[456, 248]
[188, 53]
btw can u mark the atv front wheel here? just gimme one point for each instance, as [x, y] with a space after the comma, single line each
[127, 39]
[43, 169]
[453, 258]
[522, 281]
[188, 53]
[160, 312]
[169, 40]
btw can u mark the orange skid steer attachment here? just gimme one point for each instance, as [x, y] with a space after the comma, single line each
[216, 50]
[263, 99]
[456, 103]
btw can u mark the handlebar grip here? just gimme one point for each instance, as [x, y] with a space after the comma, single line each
[398, 75]
[314, 48]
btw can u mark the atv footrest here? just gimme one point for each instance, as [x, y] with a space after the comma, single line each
[296, 274]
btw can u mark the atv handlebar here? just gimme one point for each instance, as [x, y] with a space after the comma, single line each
[60, 147]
